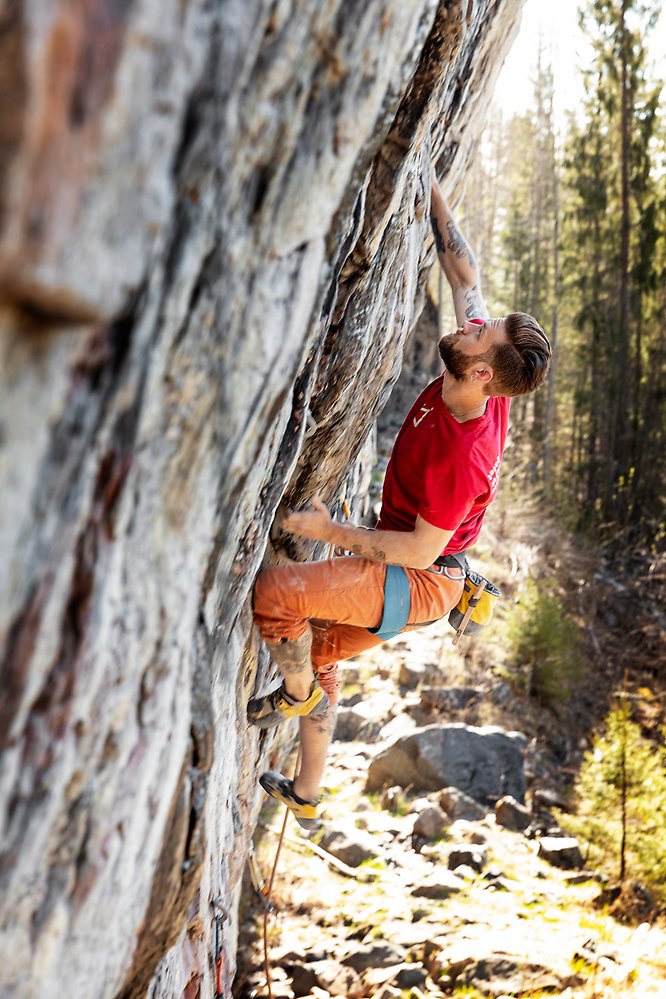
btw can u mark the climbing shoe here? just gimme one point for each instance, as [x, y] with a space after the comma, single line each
[282, 789]
[275, 707]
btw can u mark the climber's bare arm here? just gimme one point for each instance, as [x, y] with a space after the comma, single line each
[417, 549]
[457, 260]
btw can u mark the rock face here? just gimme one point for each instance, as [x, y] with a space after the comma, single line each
[213, 232]
[485, 763]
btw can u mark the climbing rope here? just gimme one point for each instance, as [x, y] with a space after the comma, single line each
[268, 905]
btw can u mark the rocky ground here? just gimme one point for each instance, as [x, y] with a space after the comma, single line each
[452, 890]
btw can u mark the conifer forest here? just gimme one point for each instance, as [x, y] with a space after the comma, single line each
[580, 240]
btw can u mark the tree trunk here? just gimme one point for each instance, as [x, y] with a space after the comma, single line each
[549, 426]
[623, 365]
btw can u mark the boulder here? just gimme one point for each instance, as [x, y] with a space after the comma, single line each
[500, 973]
[352, 724]
[459, 805]
[411, 975]
[302, 977]
[465, 872]
[431, 822]
[511, 814]
[378, 954]
[561, 851]
[486, 763]
[364, 720]
[475, 857]
[547, 798]
[387, 992]
[338, 979]
[352, 846]
[439, 886]
[410, 675]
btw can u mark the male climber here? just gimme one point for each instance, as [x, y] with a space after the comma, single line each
[442, 475]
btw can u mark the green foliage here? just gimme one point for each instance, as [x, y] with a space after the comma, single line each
[622, 794]
[545, 644]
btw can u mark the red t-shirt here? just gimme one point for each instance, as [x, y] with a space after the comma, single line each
[444, 470]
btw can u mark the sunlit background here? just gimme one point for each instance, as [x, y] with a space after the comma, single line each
[554, 26]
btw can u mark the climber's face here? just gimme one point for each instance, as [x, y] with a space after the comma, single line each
[472, 344]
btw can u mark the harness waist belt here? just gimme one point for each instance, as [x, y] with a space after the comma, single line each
[459, 560]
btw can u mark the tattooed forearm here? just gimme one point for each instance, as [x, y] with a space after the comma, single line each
[368, 551]
[437, 233]
[396, 547]
[458, 243]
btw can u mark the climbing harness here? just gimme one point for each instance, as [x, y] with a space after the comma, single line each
[472, 612]
[220, 915]
[396, 603]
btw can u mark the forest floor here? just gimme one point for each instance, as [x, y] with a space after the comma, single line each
[515, 925]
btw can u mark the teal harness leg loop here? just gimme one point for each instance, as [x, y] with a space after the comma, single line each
[396, 603]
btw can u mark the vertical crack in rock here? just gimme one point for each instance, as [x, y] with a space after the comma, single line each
[15, 664]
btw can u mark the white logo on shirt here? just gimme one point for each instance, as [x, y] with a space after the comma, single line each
[425, 410]
[493, 474]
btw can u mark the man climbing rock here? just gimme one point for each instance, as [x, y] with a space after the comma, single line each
[442, 475]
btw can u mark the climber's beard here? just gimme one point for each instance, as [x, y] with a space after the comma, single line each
[457, 363]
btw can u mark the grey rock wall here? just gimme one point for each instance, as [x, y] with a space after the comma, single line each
[213, 235]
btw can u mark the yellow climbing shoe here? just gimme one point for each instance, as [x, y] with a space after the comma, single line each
[275, 707]
[282, 789]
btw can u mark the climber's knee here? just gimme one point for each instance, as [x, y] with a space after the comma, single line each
[274, 616]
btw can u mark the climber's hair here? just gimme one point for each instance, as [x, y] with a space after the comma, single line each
[520, 365]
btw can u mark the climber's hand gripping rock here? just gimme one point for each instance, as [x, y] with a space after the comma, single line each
[314, 523]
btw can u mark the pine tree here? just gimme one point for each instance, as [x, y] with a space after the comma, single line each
[622, 793]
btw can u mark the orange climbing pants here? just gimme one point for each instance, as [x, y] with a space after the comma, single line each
[341, 598]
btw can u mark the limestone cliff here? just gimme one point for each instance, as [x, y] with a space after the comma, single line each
[213, 232]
